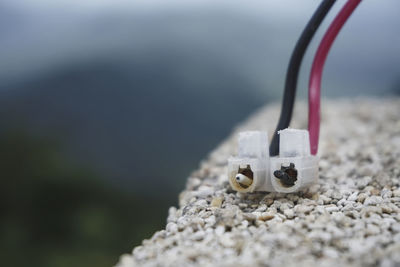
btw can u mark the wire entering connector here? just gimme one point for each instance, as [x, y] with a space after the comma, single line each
[287, 175]
[244, 177]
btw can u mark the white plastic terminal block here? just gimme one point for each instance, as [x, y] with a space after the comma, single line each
[294, 160]
[249, 171]
[253, 170]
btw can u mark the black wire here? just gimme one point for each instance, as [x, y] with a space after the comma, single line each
[292, 74]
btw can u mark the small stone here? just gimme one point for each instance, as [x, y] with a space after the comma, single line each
[342, 202]
[172, 227]
[348, 207]
[245, 223]
[199, 235]
[284, 206]
[204, 191]
[375, 192]
[361, 197]
[372, 229]
[220, 230]
[363, 182]
[386, 193]
[182, 223]
[202, 203]
[353, 197]
[303, 209]
[268, 201]
[331, 208]
[266, 216]
[331, 253]
[243, 205]
[308, 194]
[373, 200]
[261, 208]
[352, 214]
[216, 202]
[320, 235]
[249, 216]
[227, 241]
[325, 199]
[315, 196]
[386, 209]
[396, 193]
[336, 195]
[395, 227]
[210, 220]
[396, 238]
[289, 213]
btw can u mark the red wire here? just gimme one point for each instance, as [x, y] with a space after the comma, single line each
[314, 89]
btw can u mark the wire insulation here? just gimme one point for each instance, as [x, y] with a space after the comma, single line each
[293, 71]
[314, 89]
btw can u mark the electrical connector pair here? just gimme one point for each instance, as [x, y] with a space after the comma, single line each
[296, 166]
[254, 170]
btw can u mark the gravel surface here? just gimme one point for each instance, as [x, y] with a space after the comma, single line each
[351, 217]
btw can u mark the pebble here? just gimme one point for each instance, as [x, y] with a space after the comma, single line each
[353, 197]
[372, 229]
[250, 216]
[361, 197]
[332, 208]
[373, 200]
[172, 227]
[386, 209]
[325, 199]
[226, 240]
[303, 209]
[396, 193]
[199, 235]
[217, 202]
[210, 220]
[289, 213]
[266, 216]
[336, 195]
[220, 230]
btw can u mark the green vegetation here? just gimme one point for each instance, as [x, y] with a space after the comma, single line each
[53, 213]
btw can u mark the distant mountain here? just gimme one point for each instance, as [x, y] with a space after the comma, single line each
[143, 122]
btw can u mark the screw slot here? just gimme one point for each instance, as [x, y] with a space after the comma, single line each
[287, 175]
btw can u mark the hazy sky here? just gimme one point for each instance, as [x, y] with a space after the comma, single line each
[42, 34]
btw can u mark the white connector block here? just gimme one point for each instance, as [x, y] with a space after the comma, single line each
[294, 148]
[253, 169]
[249, 170]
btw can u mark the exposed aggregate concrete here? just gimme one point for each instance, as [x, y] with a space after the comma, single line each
[350, 218]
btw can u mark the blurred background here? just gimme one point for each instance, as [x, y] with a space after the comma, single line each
[107, 106]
